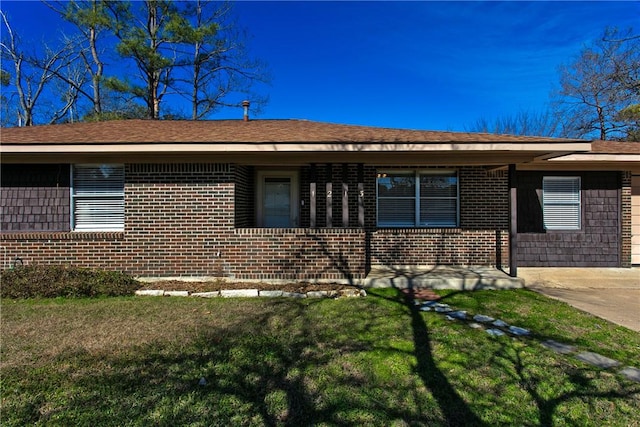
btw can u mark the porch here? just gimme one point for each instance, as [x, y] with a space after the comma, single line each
[441, 277]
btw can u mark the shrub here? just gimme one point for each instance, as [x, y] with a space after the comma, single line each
[64, 281]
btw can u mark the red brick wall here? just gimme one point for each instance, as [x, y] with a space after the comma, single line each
[481, 239]
[303, 254]
[439, 247]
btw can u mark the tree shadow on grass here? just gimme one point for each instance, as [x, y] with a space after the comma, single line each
[454, 408]
[591, 385]
[276, 368]
[588, 384]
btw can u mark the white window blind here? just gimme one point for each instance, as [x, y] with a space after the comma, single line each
[98, 197]
[561, 203]
[417, 199]
[438, 200]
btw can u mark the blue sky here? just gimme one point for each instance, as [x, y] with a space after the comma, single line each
[418, 65]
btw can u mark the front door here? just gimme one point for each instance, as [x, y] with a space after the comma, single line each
[277, 198]
[277, 202]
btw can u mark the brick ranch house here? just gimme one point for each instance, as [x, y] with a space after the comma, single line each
[295, 199]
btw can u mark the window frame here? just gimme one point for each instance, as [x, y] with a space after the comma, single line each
[117, 196]
[417, 197]
[549, 223]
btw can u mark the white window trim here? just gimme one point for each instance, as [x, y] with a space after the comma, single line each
[575, 203]
[75, 197]
[280, 173]
[416, 176]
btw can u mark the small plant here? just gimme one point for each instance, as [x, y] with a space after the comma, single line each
[64, 281]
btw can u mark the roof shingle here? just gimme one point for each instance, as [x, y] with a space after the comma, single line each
[230, 131]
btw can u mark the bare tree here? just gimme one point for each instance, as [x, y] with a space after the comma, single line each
[92, 19]
[68, 90]
[521, 123]
[32, 73]
[597, 85]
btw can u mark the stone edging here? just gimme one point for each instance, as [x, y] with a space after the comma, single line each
[248, 293]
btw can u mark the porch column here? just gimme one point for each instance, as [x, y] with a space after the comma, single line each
[345, 195]
[329, 195]
[312, 197]
[513, 222]
[360, 195]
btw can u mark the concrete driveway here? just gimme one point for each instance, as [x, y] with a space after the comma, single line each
[610, 293]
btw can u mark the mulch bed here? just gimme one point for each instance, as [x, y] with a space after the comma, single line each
[423, 294]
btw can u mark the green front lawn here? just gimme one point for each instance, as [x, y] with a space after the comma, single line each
[367, 361]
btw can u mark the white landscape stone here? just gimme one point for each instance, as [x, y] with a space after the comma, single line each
[596, 359]
[500, 324]
[294, 295]
[462, 315]
[317, 294]
[631, 373]
[431, 304]
[518, 331]
[495, 332]
[232, 293]
[482, 318]
[150, 292]
[176, 293]
[271, 294]
[559, 347]
[212, 294]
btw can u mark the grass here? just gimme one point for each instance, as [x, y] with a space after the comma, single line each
[369, 361]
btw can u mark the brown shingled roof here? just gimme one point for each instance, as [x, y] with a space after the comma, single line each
[230, 131]
[615, 147]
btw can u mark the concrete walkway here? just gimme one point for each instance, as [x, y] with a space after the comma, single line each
[610, 293]
[440, 277]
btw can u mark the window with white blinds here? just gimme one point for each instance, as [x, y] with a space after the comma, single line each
[561, 202]
[417, 199]
[97, 197]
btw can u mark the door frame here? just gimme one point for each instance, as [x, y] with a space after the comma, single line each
[293, 176]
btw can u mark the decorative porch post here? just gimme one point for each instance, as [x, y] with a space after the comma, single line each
[513, 222]
[312, 197]
[345, 195]
[329, 188]
[360, 195]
